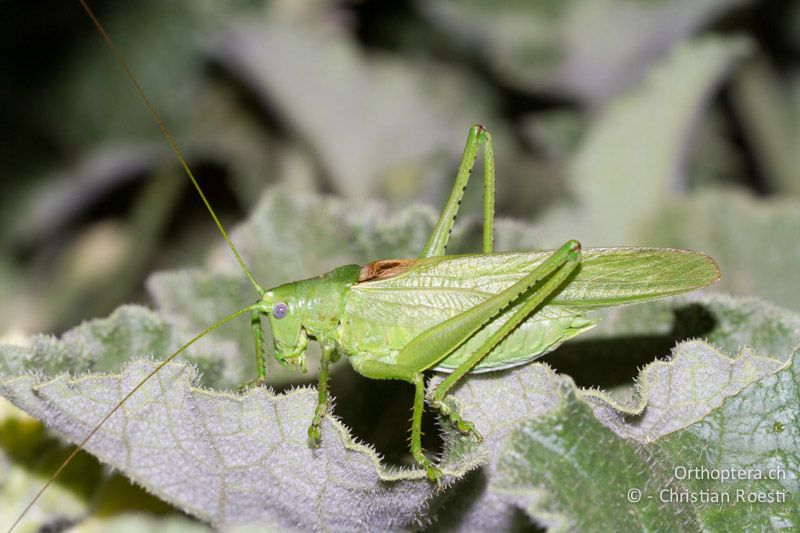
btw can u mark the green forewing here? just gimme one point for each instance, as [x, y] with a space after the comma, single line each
[616, 276]
[382, 316]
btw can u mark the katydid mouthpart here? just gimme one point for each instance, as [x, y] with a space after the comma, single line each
[458, 314]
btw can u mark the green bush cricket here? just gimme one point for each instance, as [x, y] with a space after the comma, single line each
[459, 314]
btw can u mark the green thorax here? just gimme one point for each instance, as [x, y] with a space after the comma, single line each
[320, 300]
[315, 306]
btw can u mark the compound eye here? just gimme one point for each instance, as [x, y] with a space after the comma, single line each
[280, 310]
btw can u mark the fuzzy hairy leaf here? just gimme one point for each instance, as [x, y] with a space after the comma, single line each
[751, 436]
[545, 435]
[243, 460]
[610, 356]
[228, 459]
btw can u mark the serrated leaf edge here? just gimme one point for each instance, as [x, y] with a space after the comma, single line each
[641, 384]
[349, 441]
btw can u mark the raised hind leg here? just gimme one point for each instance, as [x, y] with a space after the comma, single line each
[437, 243]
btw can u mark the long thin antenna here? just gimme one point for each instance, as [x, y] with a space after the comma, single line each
[114, 409]
[160, 123]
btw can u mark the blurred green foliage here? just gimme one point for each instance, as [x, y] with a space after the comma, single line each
[617, 122]
[361, 99]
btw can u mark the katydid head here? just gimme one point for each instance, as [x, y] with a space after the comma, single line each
[307, 309]
[282, 305]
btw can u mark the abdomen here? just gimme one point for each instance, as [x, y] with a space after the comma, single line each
[381, 322]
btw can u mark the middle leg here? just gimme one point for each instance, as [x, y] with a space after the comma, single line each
[323, 400]
[380, 370]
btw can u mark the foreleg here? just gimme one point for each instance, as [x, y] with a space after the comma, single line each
[323, 400]
[261, 349]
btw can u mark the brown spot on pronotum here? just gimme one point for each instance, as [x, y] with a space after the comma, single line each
[384, 269]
